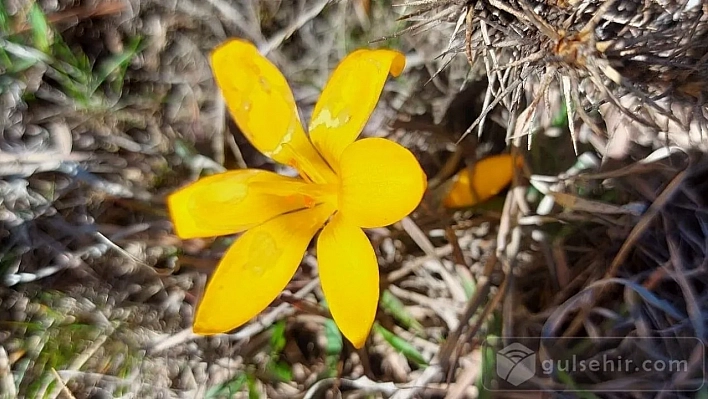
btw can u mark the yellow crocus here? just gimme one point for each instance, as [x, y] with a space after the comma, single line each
[343, 186]
[486, 179]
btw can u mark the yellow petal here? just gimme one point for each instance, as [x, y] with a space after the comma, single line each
[349, 275]
[256, 269]
[490, 176]
[349, 98]
[263, 107]
[234, 201]
[381, 182]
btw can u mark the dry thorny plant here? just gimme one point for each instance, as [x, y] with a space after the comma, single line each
[103, 293]
[641, 60]
[617, 243]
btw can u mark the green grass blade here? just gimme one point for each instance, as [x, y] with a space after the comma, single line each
[4, 20]
[277, 337]
[226, 389]
[252, 388]
[488, 370]
[333, 348]
[116, 64]
[334, 338]
[280, 371]
[41, 34]
[395, 308]
[401, 345]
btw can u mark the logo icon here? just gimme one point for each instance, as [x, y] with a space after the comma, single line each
[516, 364]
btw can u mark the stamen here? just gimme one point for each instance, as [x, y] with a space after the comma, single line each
[309, 171]
[309, 193]
[309, 201]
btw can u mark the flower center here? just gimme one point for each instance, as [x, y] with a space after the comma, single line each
[322, 194]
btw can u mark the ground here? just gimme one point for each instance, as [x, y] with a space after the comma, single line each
[106, 107]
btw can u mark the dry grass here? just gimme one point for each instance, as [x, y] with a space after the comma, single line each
[611, 243]
[109, 106]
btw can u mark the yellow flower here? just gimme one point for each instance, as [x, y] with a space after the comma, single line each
[344, 186]
[488, 178]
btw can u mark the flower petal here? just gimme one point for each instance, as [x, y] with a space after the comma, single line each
[263, 107]
[255, 269]
[381, 182]
[489, 176]
[234, 201]
[349, 275]
[349, 98]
